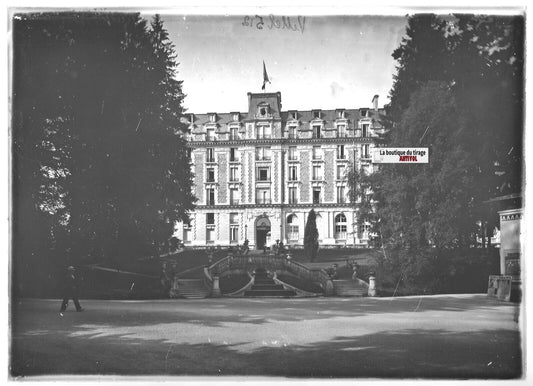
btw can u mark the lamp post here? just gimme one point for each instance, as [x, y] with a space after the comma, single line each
[246, 231]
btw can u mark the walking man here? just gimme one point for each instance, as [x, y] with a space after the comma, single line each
[70, 290]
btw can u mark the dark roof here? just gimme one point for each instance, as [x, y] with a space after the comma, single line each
[274, 102]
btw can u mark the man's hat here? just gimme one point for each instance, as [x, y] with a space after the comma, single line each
[70, 268]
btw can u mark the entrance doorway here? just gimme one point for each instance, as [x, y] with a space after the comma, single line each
[262, 231]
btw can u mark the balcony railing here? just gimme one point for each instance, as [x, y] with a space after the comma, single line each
[234, 202]
[263, 201]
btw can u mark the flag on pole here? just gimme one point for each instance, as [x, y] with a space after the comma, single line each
[265, 76]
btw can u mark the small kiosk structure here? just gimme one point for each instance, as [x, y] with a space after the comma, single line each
[508, 285]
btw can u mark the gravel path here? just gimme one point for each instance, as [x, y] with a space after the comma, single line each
[445, 336]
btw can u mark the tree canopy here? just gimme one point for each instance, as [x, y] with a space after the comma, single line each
[457, 91]
[311, 236]
[100, 167]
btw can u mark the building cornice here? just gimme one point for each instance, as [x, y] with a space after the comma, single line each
[280, 141]
[275, 206]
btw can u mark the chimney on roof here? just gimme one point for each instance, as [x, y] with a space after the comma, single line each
[375, 102]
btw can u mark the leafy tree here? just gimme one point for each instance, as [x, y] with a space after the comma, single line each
[311, 236]
[457, 91]
[361, 194]
[97, 138]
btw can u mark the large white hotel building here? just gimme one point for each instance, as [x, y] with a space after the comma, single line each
[258, 173]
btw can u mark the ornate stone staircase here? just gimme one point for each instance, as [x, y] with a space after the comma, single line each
[350, 287]
[266, 286]
[192, 288]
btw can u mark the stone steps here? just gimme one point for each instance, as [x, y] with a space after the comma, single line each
[349, 288]
[192, 289]
[266, 287]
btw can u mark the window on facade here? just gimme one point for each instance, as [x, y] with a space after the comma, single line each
[340, 227]
[293, 173]
[234, 133]
[366, 151]
[317, 172]
[365, 127]
[292, 153]
[263, 132]
[316, 195]
[233, 174]
[262, 196]
[189, 153]
[316, 131]
[210, 196]
[363, 231]
[317, 152]
[234, 227]
[210, 136]
[234, 196]
[340, 172]
[262, 153]
[186, 235]
[292, 228]
[341, 130]
[210, 175]
[210, 235]
[293, 198]
[293, 132]
[340, 152]
[341, 199]
[210, 155]
[233, 154]
[263, 174]
[210, 218]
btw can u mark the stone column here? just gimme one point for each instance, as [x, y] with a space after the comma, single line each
[372, 285]
[216, 287]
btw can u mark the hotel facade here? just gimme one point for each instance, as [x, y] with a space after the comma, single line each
[258, 173]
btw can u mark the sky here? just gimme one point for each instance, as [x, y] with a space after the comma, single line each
[323, 62]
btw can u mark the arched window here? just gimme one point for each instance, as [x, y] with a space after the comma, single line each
[340, 226]
[292, 228]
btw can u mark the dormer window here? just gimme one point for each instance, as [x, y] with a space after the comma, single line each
[191, 118]
[340, 114]
[293, 114]
[317, 131]
[212, 117]
[364, 113]
[316, 114]
[235, 117]
[262, 110]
